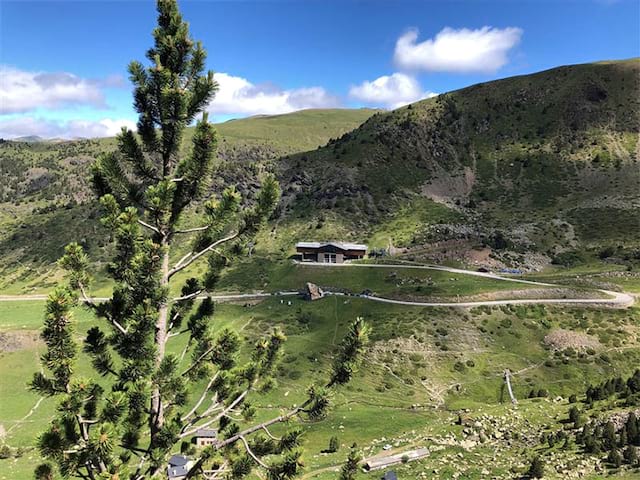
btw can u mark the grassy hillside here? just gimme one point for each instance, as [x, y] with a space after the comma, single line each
[424, 368]
[46, 200]
[296, 132]
[550, 159]
[56, 172]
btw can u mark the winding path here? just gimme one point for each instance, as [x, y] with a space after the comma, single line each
[617, 299]
[620, 299]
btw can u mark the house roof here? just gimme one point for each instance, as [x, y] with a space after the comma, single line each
[207, 433]
[340, 245]
[178, 460]
[177, 472]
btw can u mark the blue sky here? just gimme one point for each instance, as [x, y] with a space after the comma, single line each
[64, 63]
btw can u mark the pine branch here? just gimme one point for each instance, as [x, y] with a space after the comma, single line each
[187, 297]
[122, 330]
[183, 259]
[84, 432]
[198, 360]
[224, 412]
[150, 227]
[191, 230]
[184, 263]
[197, 468]
[202, 397]
[186, 347]
[270, 434]
[280, 419]
[253, 455]
[89, 422]
[215, 406]
[89, 302]
[214, 474]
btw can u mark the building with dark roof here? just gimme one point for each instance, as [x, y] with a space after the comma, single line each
[330, 252]
[205, 437]
[178, 467]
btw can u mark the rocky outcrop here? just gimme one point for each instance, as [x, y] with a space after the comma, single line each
[313, 292]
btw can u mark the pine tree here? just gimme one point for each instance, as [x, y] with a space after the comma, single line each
[536, 469]
[634, 382]
[591, 443]
[43, 472]
[614, 458]
[334, 444]
[574, 415]
[350, 468]
[631, 456]
[128, 429]
[633, 429]
[609, 436]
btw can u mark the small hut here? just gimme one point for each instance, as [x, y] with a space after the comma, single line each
[178, 467]
[205, 437]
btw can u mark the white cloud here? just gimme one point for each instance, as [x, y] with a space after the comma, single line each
[28, 126]
[483, 50]
[22, 91]
[239, 96]
[391, 91]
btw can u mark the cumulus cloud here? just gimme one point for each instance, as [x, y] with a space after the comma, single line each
[23, 91]
[239, 96]
[483, 50]
[28, 126]
[391, 91]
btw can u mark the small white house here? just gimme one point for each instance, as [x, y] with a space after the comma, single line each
[178, 467]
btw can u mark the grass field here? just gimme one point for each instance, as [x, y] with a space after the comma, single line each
[400, 282]
[298, 132]
[603, 275]
[442, 360]
[264, 274]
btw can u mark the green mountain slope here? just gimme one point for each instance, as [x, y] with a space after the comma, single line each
[46, 200]
[55, 171]
[549, 161]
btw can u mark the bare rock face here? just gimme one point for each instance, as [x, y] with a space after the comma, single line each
[314, 292]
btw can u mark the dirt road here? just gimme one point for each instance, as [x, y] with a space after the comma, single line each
[618, 299]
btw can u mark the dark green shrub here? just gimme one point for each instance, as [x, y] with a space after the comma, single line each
[536, 468]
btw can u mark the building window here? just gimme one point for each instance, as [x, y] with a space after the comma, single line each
[329, 258]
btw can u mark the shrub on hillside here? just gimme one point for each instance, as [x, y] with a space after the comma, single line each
[536, 468]
[569, 259]
[334, 444]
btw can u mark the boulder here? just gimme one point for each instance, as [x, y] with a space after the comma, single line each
[314, 292]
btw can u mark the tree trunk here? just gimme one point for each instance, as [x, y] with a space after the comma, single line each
[157, 412]
[507, 374]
